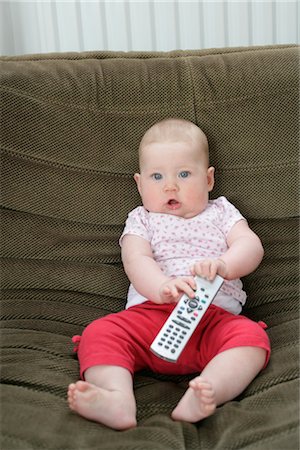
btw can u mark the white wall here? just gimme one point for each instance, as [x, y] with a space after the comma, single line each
[51, 26]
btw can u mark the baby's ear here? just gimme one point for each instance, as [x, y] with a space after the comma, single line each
[137, 179]
[210, 178]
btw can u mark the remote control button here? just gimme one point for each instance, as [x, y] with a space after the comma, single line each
[173, 350]
[185, 320]
[193, 303]
[180, 324]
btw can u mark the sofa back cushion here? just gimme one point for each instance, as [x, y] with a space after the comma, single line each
[70, 133]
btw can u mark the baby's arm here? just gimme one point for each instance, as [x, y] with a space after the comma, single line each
[244, 254]
[147, 277]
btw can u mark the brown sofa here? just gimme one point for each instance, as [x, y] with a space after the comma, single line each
[70, 128]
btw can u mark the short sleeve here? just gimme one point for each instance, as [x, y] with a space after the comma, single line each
[137, 223]
[228, 214]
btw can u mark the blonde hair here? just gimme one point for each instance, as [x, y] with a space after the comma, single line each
[174, 130]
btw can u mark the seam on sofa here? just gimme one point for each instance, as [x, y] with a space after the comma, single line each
[72, 259]
[73, 168]
[188, 64]
[40, 350]
[88, 107]
[244, 98]
[173, 54]
[264, 167]
[92, 227]
[107, 111]
[60, 165]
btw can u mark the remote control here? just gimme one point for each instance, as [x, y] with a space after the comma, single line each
[180, 325]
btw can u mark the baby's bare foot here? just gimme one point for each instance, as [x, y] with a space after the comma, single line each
[198, 402]
[100, 405]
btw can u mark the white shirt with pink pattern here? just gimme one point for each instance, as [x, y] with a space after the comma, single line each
[177, 243]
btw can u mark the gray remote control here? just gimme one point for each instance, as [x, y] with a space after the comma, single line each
[180, 325]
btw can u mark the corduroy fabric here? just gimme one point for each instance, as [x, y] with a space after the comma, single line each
[70, 129]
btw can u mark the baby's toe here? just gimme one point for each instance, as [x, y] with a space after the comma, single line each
[82, 386]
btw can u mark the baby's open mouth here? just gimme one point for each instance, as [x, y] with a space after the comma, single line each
[173, 204]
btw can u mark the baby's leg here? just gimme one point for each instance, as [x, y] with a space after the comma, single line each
[105, 397]
[225, 377]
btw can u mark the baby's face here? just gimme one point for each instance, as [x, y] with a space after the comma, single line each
[174, 178]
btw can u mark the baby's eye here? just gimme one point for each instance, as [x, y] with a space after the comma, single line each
[156, 176]
[184, 174]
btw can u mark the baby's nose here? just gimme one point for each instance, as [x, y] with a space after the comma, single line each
[170, 185]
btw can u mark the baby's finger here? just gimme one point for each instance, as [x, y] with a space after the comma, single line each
[185, 287]
[200, 268]
[212, 271]
[174, 292]
[191, 282]
[168, 295]
[206, 269]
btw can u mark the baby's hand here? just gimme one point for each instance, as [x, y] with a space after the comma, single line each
[172, 290]
[209, 268]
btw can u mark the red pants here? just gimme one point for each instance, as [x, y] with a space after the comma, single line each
[123, 339]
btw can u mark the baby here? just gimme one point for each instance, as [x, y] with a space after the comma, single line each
[177, 233]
